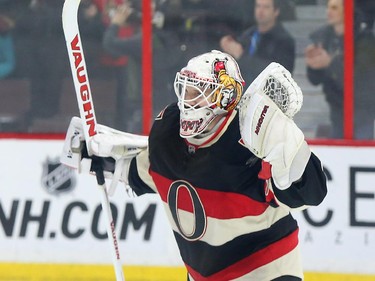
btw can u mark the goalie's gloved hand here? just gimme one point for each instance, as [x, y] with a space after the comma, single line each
[268, 132]
[109, 150]
[96, 163]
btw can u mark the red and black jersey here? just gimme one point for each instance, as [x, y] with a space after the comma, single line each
[226, 219]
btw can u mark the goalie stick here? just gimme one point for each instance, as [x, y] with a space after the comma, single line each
[87, 113]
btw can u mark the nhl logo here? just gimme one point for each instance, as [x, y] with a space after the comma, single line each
[56, 177]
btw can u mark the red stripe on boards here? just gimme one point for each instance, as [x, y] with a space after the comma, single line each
[33, 136]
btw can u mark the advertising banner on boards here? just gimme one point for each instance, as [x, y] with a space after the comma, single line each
[49, 213]
[339, 234]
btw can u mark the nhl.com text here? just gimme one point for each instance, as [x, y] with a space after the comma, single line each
[76, 218]
[27, 218]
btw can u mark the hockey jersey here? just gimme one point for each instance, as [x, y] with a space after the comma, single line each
[229, 223]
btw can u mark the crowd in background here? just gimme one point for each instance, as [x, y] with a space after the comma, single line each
[32, 46]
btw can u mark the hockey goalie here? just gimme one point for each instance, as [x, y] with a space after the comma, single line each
[228, 165]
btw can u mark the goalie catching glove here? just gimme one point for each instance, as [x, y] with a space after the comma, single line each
[115, 148]
[267, 128]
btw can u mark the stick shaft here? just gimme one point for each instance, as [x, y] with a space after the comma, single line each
[87, 113]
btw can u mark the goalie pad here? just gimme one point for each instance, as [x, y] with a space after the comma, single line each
[107, 144]
[267, 128]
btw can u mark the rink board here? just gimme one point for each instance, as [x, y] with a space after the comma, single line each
[51, 226]
[37, 272]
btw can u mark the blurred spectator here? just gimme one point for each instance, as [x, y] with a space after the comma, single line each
[121, 67]
[107, 9]
[262, 44]
[166, 56]
[364, 73]
[227, 17]
[7, 56]
[200, 24]
[306, 2]
[91, 31]
[42, 54]
[324, 60]
[367, 8]
[190, 24]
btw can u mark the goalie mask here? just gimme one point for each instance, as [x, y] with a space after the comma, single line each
[210, 85]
